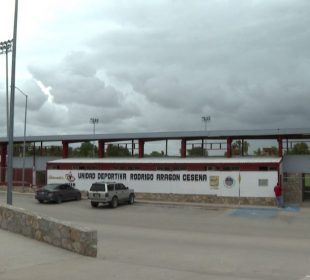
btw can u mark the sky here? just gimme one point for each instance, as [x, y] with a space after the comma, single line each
[147, 66]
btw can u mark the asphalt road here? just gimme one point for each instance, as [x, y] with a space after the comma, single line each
[162, 242]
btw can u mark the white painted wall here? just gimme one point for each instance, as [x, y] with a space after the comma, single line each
[249, 186]
[230, 183]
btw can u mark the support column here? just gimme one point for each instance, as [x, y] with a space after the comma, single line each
[287, 146]
[183, 148]
[65, 149]
[101, 144]
[41, 154]
[3, 152]
[141, 148]
[280, 147]
[228, 151]
[34, 169]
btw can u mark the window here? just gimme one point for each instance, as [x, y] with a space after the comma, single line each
[110, 187]
[98, 187]
[164, 168]
[263, 168]
[263, 182]
[63, 187]
[231, 168]
[119, 187]
[134, 168]
[214, 168]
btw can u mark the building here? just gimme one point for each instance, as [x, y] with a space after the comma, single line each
[292, 172]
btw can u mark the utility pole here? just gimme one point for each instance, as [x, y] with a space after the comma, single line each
[24, 145]
[5, 48]
[205, 120]
[12, 103]
[94, 121]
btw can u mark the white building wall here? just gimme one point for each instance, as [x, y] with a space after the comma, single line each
[224, 183]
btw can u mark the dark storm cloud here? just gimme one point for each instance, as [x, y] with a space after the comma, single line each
[74, 80]
[76, 92]
[35, 97]
[161, 65]
[248, 60]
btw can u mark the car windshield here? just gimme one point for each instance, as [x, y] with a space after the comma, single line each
[50, 187]
[98, 187]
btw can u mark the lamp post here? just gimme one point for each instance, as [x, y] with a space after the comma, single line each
[24, 145]
[94, 121]
[12, 102]
[5, 48]
[205, 120]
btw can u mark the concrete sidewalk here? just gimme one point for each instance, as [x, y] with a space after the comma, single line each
[135, 250]
[19, 253]
[22, 258]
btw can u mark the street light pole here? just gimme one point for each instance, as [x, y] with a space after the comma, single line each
[24, 145]
[205, 119]
[6, 47]
[12, 102]
[94, 121]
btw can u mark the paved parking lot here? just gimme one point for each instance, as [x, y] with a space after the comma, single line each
[164, 242]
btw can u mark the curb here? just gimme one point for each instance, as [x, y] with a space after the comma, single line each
[208, 206]
[200, 205]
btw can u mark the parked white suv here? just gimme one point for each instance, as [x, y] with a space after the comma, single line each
[110, 192]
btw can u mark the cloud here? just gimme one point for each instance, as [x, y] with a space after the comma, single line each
[74, 80]
[74, 92]
[155, 66]
[245, 60]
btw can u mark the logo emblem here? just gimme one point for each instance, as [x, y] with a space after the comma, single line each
[229, 182]
[69, 177]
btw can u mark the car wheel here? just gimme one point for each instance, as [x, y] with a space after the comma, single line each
[40, 201]
[114, 202]
[131, 199]
[58, 199]
[78, 197]
[94, 204]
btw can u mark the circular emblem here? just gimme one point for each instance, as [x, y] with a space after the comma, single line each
[69, 177]
[229, 182]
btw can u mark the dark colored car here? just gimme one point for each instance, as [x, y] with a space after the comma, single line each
[57, 193]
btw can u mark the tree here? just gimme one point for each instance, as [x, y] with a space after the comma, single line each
[39, 151]
[274, 151]
[197, 152]
[157, 154]
[53, 151]
[237, 148]
[258, 152]
[86, 149]
[18, 149]
[117, 151]
[300, 149]
[270, 151]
